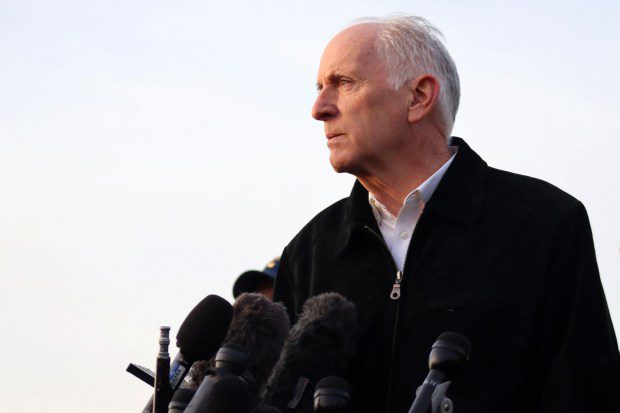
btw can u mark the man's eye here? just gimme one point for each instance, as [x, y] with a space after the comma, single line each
[344, 82]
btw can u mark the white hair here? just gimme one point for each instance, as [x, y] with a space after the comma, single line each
[411, 46]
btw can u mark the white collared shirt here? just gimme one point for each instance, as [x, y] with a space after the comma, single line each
[397, 231]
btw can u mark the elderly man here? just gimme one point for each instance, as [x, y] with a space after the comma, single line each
[431, 239]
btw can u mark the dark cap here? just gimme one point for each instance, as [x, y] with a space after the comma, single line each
[247, 282]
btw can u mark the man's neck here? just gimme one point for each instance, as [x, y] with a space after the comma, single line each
[397, 178]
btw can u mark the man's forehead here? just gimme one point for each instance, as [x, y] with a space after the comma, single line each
[361, 32]
[353, 47]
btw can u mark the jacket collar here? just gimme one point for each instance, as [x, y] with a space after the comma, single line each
[458, 196]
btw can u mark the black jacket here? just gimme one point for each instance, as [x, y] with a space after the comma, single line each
[504, 259]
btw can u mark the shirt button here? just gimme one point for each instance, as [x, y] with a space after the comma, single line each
[404, 235]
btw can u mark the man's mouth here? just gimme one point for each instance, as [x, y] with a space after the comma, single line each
[332, 135]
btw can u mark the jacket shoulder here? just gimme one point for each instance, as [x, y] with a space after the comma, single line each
[531, 194]
[324, 224]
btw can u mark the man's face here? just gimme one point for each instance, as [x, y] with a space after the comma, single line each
[365, 119]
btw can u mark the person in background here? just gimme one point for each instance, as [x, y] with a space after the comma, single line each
[254, 281]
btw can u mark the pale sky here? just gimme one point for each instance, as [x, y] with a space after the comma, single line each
[150, 151]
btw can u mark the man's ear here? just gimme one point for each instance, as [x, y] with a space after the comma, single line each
[424, 96]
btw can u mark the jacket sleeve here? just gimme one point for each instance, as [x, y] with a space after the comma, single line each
[283, 287]
[579, 347]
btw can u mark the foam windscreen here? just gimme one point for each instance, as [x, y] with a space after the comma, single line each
[204, 328]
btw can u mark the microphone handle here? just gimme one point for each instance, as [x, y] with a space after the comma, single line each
[180, 400]
[200, 399]
[179, 369]
[163, 391]
[424, 396]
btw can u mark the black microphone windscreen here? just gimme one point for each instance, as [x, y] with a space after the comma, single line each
[229, 394]
[456, 339]
[333, 382]
[448, 353]
[260, 326]
[332, 394]
[320, 344]
[204, 328]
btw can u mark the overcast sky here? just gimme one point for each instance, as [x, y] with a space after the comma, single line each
[150, 151]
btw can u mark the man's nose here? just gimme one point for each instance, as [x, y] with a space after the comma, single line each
[324, 107]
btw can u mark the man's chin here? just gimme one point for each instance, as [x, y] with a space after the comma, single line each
[339, 170]
[337, 163]
[341, 165]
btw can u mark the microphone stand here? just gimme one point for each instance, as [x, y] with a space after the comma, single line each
[163, 390]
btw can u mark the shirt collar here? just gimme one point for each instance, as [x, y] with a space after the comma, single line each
[425, 191]
[458, 197]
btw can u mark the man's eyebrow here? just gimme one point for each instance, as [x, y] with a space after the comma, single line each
[335, 77]
[332, 78]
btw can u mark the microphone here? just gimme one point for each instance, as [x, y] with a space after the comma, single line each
[180, 400]
[331, 395]
[320, 344]
[447, 355]
[260, 326]
[199, 336]
[228, 394]
[223, 388]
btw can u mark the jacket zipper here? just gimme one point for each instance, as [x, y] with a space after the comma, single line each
[394, 295]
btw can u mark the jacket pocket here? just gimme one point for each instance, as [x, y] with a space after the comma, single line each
[451, 303]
